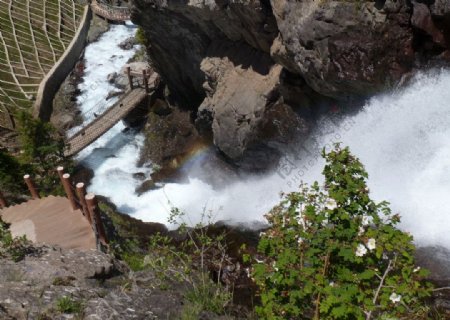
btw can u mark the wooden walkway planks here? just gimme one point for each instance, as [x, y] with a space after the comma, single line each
[50, 221]
[111, 13]
[105, 121]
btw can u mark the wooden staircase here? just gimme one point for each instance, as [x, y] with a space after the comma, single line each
[50, 221]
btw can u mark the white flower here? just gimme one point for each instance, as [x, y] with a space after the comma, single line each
[416, 269]
[332, 284]
[287, 205]
[360, 250]
[300, 241]
[301, 207]
[331, 204]
[301, 221]
[371, 244]
[395, 297]
[366, 220]
[361, 230]
[274, 265]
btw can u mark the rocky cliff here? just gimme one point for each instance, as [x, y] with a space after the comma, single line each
[256, 72]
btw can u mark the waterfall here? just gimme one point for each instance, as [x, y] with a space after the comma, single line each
[402, 137]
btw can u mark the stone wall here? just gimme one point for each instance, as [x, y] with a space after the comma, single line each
[43, 105]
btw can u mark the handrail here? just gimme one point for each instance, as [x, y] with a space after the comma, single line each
[113, 13]
[79, 199]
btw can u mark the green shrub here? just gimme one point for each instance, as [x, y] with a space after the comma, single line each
[140, 37]
[13, 248]
[333, 253]
[69, 305]
[42, 152]
[134, 260]
[188, 262]
[38, 140]
[11, 172]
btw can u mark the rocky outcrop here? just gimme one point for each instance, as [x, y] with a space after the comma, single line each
[344, 48]
[181, 33]
[423, 20]
[229, 60]
[244, 104]
[440, 8]
[94, 285]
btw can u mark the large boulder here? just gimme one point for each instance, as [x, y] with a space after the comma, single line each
[248, 115]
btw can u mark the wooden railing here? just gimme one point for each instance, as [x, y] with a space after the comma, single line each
[79, 200]
[103, 117]
[111, 13]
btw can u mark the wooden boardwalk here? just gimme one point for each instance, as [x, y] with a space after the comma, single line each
[111, 13]
[50, 221]
[104, 122]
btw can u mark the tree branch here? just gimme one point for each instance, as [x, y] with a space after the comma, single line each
[440, 289]
[369, 314]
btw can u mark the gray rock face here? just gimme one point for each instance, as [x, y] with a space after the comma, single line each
[243, 99]
[180, 34]
[440, 7]
[343, 48]
[423, 20]
[226, 59]
[104, 287]
[220, 54]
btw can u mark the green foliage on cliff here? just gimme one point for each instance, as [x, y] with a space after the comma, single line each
[140, 37]
[38, 140]
[13, 248]
[69, 305]
[189, 261]
[334, 253]
[42, 152]
[11, 172]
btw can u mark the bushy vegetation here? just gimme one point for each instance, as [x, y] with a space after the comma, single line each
[140, 37]
[189, 263]
[69, 305]
[42, 151]
[333, 253]
[183, 260]
[39, 142]
[11, 172]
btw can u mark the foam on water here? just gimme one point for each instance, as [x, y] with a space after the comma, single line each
[102, 58]
[403, 139]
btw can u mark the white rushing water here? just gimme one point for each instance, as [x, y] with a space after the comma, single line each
[403, 139]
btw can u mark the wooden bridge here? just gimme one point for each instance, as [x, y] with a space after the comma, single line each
[106, 120]
[111, 13]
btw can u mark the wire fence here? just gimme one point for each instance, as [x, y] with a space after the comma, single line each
[34, 34]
